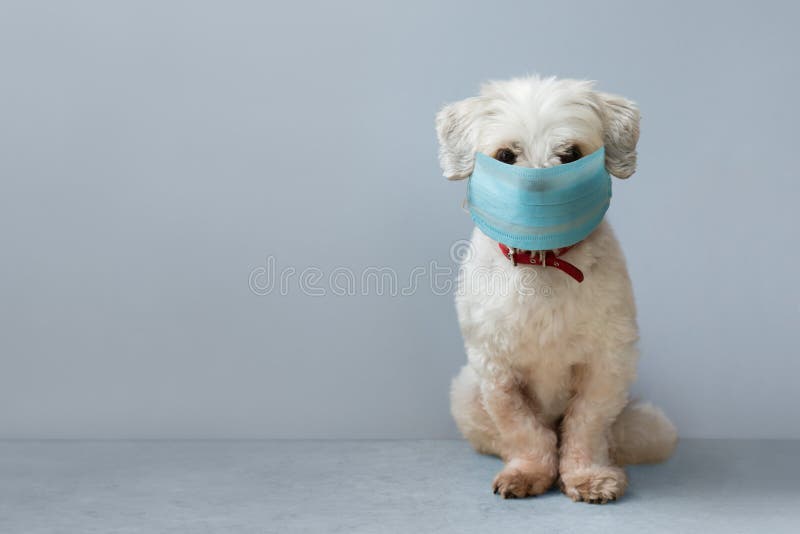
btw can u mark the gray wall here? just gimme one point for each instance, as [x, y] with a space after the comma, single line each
[154, 154]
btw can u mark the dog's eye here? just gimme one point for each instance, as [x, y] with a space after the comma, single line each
[572, 153]
[506, 156]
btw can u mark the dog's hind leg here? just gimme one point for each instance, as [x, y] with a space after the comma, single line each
[470, 415]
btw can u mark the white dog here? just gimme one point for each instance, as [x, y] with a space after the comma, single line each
[550, 359]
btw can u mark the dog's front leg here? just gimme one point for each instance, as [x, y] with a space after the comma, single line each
[528, 447]
[585, 467]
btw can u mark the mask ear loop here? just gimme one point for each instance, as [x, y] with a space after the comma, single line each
[464, 205]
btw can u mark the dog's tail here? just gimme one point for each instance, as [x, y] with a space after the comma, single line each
[642, 434]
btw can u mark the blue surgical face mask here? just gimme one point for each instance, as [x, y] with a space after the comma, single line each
[539, 209]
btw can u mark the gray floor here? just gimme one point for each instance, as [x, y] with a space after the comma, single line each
[373, 487]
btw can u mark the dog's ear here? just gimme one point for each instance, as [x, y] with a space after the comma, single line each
[456, 128]
[620, 133]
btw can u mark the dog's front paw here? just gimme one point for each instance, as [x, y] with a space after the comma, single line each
[596, 484]
[523, 479]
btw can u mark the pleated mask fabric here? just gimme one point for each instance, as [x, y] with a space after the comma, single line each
[539, 209]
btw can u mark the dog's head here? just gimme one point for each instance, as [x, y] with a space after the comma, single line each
[538, 122]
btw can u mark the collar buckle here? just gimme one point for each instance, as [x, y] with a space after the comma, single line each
[512, 255]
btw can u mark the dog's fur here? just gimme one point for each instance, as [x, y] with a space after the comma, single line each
[550, 360]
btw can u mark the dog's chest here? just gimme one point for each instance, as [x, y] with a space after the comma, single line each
[536, 314]
[546, 358]
[534, 329]
[550, 387]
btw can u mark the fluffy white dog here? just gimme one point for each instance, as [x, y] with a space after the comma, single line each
[550, 360]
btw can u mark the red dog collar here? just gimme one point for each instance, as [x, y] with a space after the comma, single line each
[551, 259]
